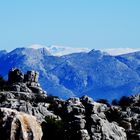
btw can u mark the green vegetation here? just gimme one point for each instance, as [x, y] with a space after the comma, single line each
[123, 102]
[53, 129]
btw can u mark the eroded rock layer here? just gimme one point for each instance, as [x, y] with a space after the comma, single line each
[28, 113]
[16, 125]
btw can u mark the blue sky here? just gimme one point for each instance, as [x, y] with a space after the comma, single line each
[76, 23]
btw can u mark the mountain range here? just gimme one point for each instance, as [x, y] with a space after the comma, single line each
[91, 72]
[63, 50]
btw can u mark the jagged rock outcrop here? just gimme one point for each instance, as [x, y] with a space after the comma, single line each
[127, 115]
[26, 102]
[88, 120]
[16, 125]
[25, 108]
[24, 82]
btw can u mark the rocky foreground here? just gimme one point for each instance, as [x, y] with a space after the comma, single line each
[28, 113]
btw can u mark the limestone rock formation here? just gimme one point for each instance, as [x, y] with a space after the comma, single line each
[16, 125]
[27, 113]
[127, 115]
[24, 82]
[85, 119]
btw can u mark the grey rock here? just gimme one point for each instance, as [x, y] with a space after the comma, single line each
[12, 122]
[84, 134]
[78, 118]
[32, 76]
[15, 75]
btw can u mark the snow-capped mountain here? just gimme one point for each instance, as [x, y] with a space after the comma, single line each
[120, 51]
[60, 50]
[63, 50]
[94, 73]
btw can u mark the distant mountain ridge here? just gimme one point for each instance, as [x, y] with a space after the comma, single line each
[60, 50]
[94, 73]
[64, 50]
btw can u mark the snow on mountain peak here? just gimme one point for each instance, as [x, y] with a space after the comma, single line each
[63, 50]
[36, 46]
[120, 51]
[59, 50]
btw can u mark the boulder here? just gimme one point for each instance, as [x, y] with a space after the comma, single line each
[32, 76]
[15, 75]
[16, 125]
[25, 106]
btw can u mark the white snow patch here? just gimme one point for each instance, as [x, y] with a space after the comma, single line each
[64, 50]
[59, 50]
[119, 51]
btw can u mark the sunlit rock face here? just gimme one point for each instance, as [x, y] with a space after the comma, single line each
[20, 113]
[24, 82]
[88, 121]
[16, 125]
[27, 113]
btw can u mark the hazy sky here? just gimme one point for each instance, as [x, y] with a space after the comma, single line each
[75, 23]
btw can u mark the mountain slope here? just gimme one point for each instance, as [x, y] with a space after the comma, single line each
[3, 52]
[97, 75]
[39, 60]
[132, 60]
[94, 73]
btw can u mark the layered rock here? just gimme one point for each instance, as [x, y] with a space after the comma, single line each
[25, 108]
[127, 115]
[24, 82]
[85, 119]
[16, 125]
